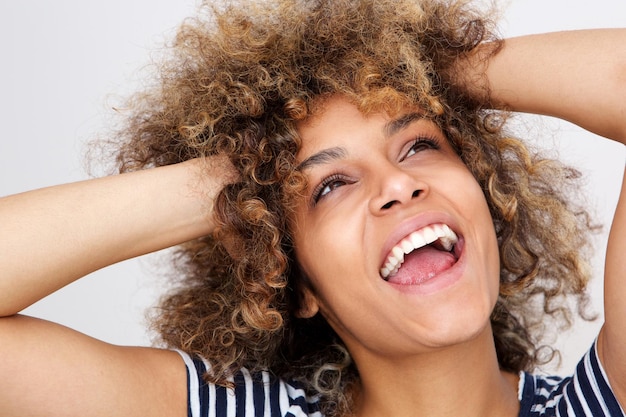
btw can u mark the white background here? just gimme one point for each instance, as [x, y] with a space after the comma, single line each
[64, 65]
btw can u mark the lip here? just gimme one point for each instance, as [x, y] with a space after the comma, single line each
[413, 224]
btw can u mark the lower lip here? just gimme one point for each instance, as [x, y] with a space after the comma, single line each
[437, 283]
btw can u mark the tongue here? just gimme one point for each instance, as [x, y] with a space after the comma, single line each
[421, 265]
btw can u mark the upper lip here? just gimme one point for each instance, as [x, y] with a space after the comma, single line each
[410, 225]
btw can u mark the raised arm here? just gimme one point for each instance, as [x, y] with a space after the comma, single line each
[53, 236]
[581, 77]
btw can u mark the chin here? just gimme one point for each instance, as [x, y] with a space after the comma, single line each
[460, 327]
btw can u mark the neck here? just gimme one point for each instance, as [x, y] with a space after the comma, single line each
[462, 380]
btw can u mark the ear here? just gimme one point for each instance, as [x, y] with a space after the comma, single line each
[308, 305]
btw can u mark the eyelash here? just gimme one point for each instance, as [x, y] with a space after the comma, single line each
[317, 192]
[427, 141]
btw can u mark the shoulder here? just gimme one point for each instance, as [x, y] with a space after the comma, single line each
[586, 393]
[253, 394]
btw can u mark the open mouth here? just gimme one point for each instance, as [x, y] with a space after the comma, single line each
[432, 249]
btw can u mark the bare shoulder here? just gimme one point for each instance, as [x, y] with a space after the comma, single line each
[50, 370]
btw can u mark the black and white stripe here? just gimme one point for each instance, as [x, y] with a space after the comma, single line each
[585, 394]
[257, 395]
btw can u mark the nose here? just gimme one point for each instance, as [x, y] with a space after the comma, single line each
[395, 187]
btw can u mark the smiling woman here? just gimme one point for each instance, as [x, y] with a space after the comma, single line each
[348, 210]
[396, 189]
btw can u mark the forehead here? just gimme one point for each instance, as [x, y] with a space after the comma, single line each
[338, 120]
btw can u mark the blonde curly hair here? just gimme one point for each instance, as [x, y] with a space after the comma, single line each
[239, 78]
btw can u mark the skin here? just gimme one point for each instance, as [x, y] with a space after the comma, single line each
[385, 185]
[67, 230]
[150, 210]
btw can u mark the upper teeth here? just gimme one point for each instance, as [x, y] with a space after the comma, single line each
[416, 240]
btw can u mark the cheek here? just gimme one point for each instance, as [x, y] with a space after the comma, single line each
[482, 221]
[327, 249]
[332, 256]
[470, 192]
[473, 207]
[330, 237]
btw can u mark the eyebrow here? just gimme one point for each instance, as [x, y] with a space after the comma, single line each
[332, 154]
[323, 157]
[394, 126]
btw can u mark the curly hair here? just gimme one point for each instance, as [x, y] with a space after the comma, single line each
[239, 78]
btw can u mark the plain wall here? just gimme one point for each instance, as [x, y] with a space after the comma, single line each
[65, 64]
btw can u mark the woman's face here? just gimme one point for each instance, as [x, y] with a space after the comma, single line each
[380, 187]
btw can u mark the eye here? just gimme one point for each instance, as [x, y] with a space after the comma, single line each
[328, 185]
[421, 144]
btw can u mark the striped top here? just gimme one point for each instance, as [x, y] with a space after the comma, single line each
[587, 393]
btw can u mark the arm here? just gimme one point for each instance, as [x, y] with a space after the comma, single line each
[52, 371]
[56, 235]
[581, 77]
[53, 236]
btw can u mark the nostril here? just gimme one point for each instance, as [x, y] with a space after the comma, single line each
[389, 204]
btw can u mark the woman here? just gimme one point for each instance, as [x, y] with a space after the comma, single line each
[303, 151]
